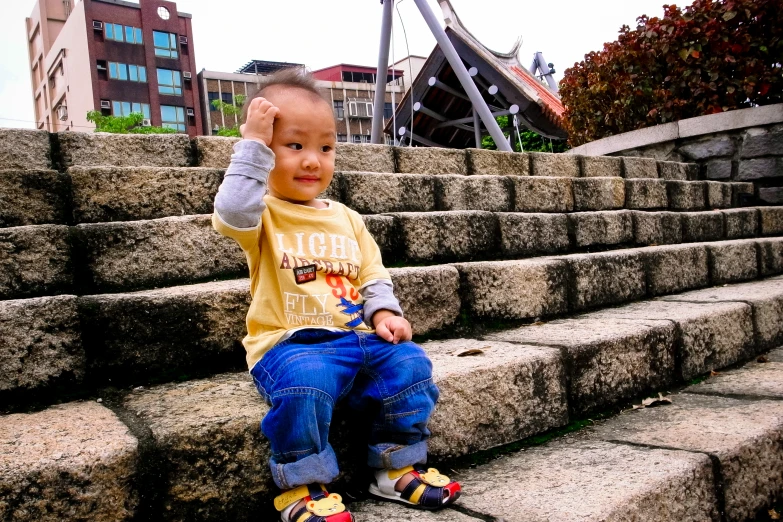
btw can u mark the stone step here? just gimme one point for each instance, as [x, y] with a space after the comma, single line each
[197, 453]
[716, 455]
[125, 150]
[132, 193]
[102, 194]
[129, 255]
[94, 194]
[159, 334]
[33, 197]
[216, 153]
[24, 149]
[71, 344]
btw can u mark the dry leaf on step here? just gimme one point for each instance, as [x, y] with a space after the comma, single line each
[469, 351]
[762, 359]
[773, 515]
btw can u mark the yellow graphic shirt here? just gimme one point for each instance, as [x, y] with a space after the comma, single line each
[294, 243]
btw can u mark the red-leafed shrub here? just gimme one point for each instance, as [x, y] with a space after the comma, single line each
[713, 57]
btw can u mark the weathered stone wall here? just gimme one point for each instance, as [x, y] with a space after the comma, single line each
[753, 154]
[741, 145]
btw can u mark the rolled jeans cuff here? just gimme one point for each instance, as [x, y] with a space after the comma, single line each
[394, 456]
[318, 468]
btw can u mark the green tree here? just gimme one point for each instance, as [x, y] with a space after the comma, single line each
[230, 110]
[531, 141]
[130, 124]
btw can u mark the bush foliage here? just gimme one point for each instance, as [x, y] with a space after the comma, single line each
[712, 57]
[130, 124]
[530, 141]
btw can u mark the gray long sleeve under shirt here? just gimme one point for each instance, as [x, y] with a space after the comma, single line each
[240, 203]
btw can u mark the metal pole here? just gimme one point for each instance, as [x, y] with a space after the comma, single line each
[415, 137]
[383, 69]
[508, 112]
[418, 107]
[455, 61]
[434, 82]
[477, 128]
[542, 66]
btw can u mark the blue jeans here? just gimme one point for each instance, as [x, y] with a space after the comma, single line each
[303, 377]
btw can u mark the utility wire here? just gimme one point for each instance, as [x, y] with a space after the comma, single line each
[410, 69]
[36, 123]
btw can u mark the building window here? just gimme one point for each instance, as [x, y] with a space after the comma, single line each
[173, 117]
[212, 96]
[388, 110]
[169, 82]
[120, 33]
[137, 73]
[360, 108]
[360, 138]
[163, 13]
[227, 97]
[342, 137]
[360, 77]
[126, 108]
[165, 44]
[339, 110]
[123, 71]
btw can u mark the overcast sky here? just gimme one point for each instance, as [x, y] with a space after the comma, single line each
[229, 33]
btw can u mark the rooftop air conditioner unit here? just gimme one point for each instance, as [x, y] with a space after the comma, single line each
[183, 40]
[186, 75]
[62, 113]
[146, 123]
[190, 111]
[105, 104]
[96, 25]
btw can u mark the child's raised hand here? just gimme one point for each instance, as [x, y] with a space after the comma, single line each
[394, 329]
[261, 116]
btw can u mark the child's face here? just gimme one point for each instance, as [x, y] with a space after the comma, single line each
[303, 141]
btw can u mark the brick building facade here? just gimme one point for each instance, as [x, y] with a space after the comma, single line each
[114, 56]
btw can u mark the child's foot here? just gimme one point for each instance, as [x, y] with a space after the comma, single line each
[415, 487]
[310, 504]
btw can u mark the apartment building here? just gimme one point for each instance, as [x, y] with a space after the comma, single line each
[113, 56]
[349, 88]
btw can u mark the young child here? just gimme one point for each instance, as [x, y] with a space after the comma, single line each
[323, 324]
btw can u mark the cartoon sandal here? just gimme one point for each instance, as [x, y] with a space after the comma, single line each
[320, 505]
[428, 490]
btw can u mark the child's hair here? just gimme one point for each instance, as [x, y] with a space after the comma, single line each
[292, 77]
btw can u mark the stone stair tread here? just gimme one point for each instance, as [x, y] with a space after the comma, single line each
[125, 335]
[101, 149]
[590, 481]
[743, 435]
[129, 255]
[755, 379]
[74, 461]
[206, 432]
[649, 464]
[33, 196]
[24, 149]
[132, 193]
[714, 335]
[111, 193]
[377, 511]
[513, 392]
[765, 298]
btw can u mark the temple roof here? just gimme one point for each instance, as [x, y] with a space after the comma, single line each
[540, 109]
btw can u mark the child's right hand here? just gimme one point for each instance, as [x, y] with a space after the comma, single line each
[260, 121]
